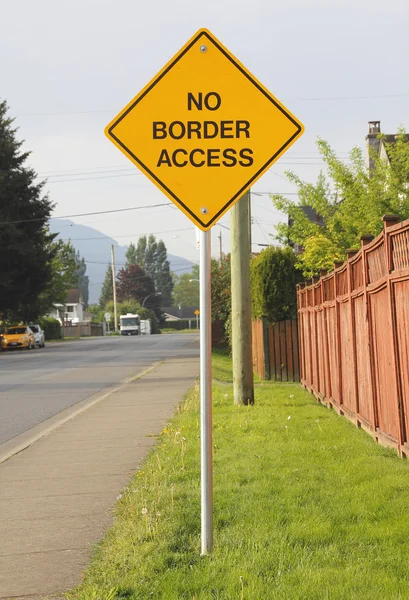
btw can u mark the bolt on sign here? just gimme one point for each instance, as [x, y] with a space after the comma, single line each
[204, 129]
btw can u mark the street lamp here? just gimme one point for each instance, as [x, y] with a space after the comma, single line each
[191, 280]
[153, 294]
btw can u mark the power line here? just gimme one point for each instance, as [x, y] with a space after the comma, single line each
[359, 97]
[105, 237]
[117, 170]
[100, 212]
[133, 172]
[118, 210]
[93, 178]
[273, 193]
[261, 229]
[106, 263]
[321, 98]
[139, 276]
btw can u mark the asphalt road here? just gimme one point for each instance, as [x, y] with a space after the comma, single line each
[38, 384]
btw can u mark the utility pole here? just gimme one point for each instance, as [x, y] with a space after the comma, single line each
[243, 382]
[114, 287]
[250, 224]
[221, 246]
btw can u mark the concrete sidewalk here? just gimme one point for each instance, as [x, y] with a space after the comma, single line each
[56, 497]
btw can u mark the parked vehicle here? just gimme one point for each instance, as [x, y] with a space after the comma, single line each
[130, 324]
[146, 327]
[19, 336]
[39, 335]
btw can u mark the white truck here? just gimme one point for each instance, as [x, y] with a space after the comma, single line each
[130, 324]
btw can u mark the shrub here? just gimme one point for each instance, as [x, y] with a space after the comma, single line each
[274, 277]
[52, 328]
[179, 325]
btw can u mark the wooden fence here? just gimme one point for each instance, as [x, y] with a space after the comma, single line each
[354, 335]
[82, 330]
[275, 350]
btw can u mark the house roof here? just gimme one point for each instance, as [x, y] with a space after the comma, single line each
[311, 215]
[186, 312]
[73, 297]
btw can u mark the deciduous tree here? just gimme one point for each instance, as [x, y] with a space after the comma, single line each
[350, 199]
[134, 284]
[185, 291]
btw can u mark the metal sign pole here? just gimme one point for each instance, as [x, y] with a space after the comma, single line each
[206, 393]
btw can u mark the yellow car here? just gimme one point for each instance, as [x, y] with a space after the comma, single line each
[19, 336]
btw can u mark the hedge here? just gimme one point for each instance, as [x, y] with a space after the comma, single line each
[52, 328]
[178, 325]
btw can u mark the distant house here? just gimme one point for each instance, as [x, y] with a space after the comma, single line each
[377, 145]
[72, 311]
[174, 313]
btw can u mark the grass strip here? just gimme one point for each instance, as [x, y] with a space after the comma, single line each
[222, 366]
[306, 507]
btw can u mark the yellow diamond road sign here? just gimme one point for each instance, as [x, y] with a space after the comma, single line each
[204, 129]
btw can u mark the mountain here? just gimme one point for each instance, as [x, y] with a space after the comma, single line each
[95, 247]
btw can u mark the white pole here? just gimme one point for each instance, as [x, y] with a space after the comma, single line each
[206, 393]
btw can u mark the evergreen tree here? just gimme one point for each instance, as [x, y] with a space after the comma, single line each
[163, 276]
[152, 257]
[81, 279]
[132, 255]
[150, 265]
[141, 251]
[27, 249]
[107, 291]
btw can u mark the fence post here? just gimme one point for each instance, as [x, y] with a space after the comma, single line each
[327, 368]
[389, 220]
[309, 375]
[266, 348]
[350, 254]
[338, 264]
[300, 324]
[365, 240]
[315, 280]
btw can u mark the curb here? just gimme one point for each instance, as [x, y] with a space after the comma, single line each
[28, 438]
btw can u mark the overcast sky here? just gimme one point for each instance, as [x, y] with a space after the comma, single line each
[67, 68]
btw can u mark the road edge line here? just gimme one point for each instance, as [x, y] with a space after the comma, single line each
[14, 447]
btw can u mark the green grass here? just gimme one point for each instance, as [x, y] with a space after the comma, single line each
[306, 507]
[221, 365]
